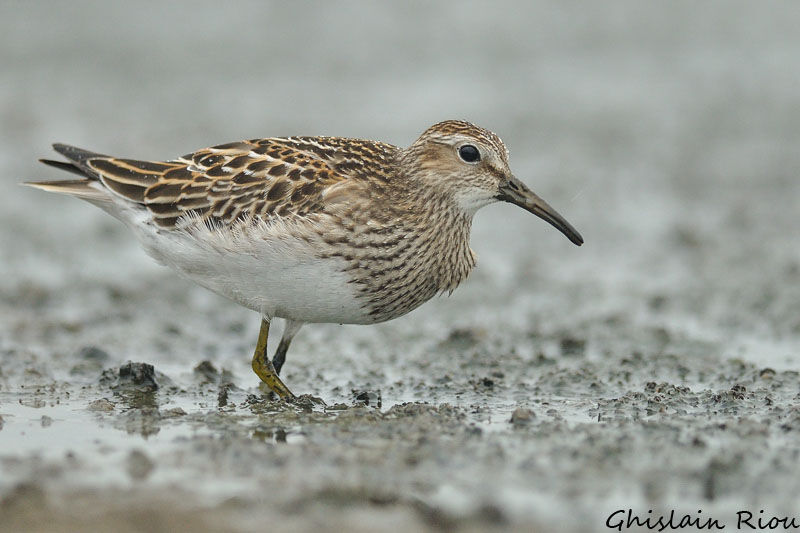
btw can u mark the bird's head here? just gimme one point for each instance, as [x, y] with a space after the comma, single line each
[470, 165]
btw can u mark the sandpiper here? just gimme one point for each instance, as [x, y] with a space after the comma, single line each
[311, 229]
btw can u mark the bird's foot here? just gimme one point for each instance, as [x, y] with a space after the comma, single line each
[264, 369]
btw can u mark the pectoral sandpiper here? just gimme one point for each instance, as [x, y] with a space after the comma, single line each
[311, 229]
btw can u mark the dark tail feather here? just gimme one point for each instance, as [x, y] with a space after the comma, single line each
[78, 158]
[69, 167]
[75, 154]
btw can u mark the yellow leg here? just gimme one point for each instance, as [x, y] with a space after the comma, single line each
[262, 366]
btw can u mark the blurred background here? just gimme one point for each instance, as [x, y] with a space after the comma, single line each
[666, 132]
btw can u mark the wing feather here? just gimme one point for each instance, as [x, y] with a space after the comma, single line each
[260, 178]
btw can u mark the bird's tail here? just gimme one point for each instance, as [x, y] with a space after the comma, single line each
[87, 188]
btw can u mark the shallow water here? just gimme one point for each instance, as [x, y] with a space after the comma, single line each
[655, 367]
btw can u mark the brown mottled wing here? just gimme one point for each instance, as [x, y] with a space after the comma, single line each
[258, 178]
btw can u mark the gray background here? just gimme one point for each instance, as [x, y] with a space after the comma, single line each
[667, 133]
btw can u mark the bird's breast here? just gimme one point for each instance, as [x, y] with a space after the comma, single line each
[399, 266]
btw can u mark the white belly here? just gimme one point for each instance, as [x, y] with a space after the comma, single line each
[266, 271]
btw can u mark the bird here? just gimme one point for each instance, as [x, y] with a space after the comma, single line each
[311, 229]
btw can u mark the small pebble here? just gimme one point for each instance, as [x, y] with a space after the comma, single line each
[172, 412]
[101, 405]
[522, 416]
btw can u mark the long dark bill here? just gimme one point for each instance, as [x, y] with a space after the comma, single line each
[518, 193]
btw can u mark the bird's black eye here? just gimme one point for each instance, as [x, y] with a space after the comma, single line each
[469, 153]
